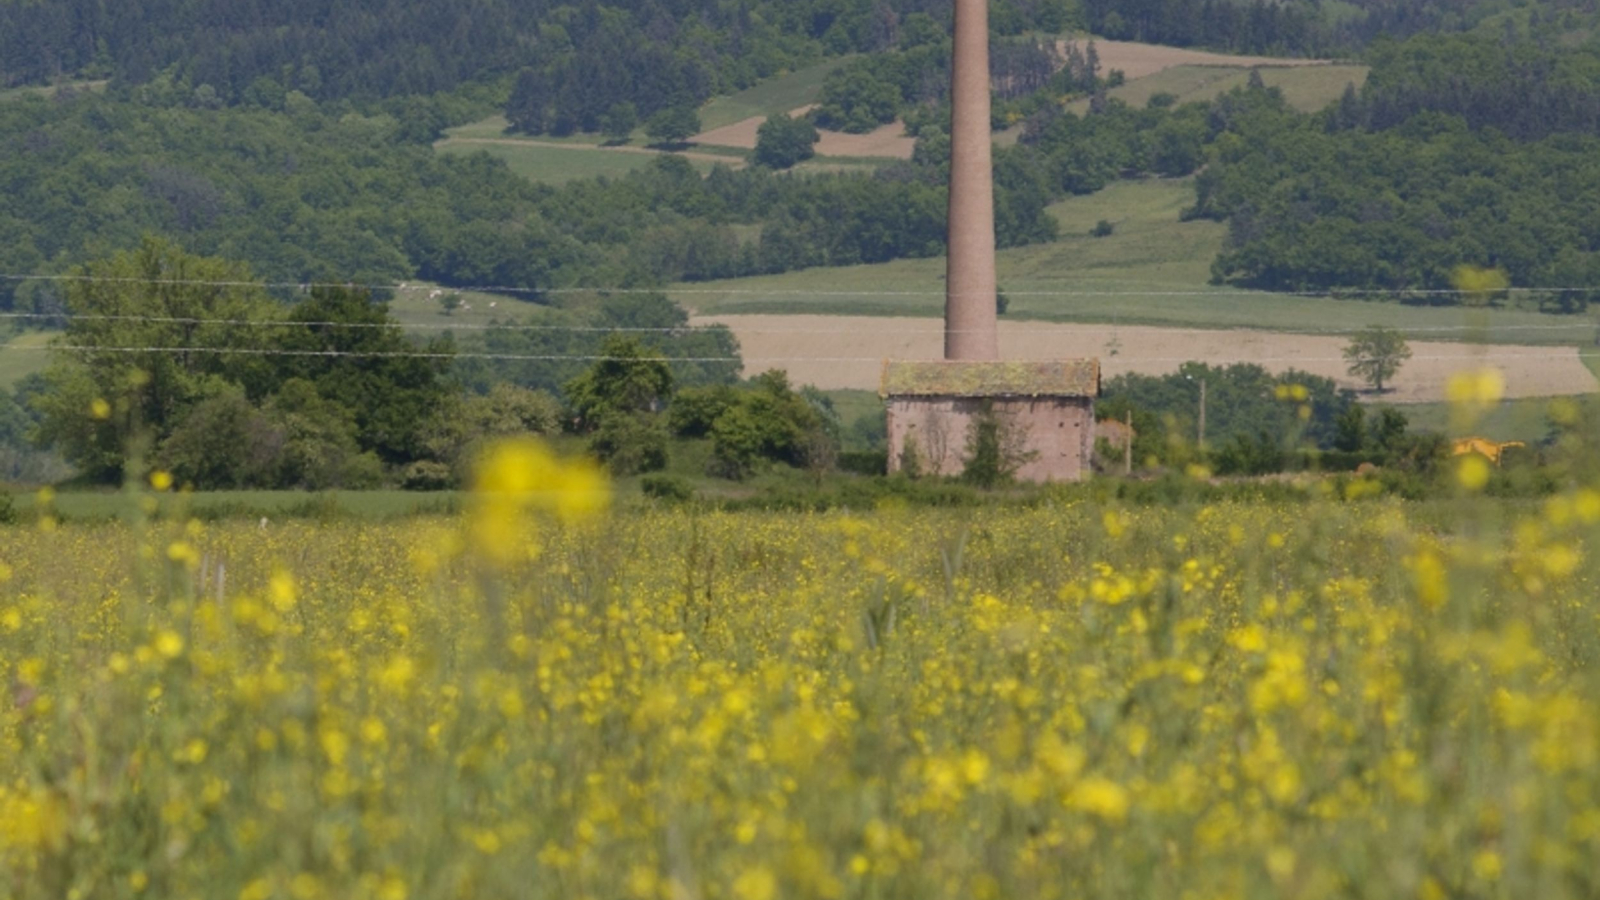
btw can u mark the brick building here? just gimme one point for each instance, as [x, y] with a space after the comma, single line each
[1046, 411]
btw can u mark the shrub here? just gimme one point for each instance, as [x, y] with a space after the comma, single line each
[427, 475]
[1102, 228]
[994, 450]
[864, 462]
[666, 488]
[694, 410]
[630, 444]
[223, 442]
[1244, 455]
[8, 510]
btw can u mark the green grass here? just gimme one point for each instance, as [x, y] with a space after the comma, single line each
[1511, 420]
[496, 128]
[559, 165]
[821, 165]
[776, 95]
[20, 357]
[852, 405]
[415, 310]
[52, 89]
[1307, 88]
[379, 504]
[1153, 270]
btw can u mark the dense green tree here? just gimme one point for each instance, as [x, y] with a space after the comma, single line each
[782, 142]
[107, 396]
[462, 424]
[220, 442]
[319, 445]
[1241, 399]
[630, 443]
[627, 378]
[769, 422]
[673, 125]
[620, 121]
[355, 355]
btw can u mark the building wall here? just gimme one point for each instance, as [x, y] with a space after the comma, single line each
[1055, 433]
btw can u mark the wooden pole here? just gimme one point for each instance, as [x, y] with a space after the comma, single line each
[1127, 445]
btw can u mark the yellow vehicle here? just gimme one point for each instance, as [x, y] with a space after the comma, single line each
[1483, 447]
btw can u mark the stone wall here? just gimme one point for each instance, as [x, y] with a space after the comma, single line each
[1054, 435]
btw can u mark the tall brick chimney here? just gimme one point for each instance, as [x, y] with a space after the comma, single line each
[969, 306]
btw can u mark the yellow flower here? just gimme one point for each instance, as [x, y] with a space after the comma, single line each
[1472, 393]
[99, 409]
[373, 730]
[161, 480]
[1479, 280]
[1487, 865]
[519, 475]
[281, 589]
[1472, 472]
[169, 644]
[1429, 578]
[756, 884]
[1100, 797]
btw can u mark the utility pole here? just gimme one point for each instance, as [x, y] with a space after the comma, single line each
[1202, 415]
[1127, 445]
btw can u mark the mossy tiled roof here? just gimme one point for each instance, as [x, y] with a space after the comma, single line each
[1057, 378]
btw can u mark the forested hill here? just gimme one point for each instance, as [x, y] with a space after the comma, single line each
[366, 49]
[648, 52]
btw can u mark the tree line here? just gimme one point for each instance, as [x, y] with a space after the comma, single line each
[310, 194]
[1463, 152]
[180, 362]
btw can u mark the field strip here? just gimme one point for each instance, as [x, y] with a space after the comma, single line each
[1138, 60]
[732, 161]
[889, 141]
[839, 352]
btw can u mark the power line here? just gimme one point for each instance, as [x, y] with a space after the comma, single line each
[706, 326]
[775, 292]
[420, 354]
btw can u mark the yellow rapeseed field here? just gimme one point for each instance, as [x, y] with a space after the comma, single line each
[546, 699]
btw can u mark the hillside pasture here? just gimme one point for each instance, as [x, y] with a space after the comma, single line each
[551, 162]
[794, 90]
[22, 356]
[1152, 270]
[418, 309]
[1137, 60]
[1306, 88]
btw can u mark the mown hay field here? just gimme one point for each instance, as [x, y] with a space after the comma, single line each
[1323, 699]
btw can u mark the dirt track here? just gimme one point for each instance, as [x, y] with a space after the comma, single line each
[889, 141]
[833, 352]
[1139, 60]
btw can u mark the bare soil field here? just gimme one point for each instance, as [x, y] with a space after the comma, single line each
[890, 141]
[1138, 60]
[840, 352]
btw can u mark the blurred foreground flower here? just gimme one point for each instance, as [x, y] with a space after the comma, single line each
[519, 476]
[1479, 282]
[1473, 393]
